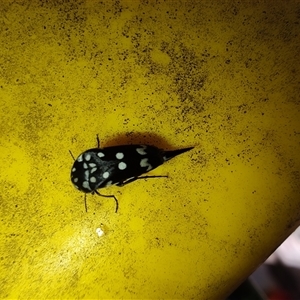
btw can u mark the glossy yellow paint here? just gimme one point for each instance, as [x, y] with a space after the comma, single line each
[222, 76]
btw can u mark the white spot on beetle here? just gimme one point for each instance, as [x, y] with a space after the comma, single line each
[93, 179]
[75, 180]
[105, 175]
[85, 166]
[119, 155]
[79, 158]
[141, 151]
[145, 164]
[74, 169]
[86, 185]
[122, 165]
[92, 165]
[109, 183]
[100, 154]
[93, 170]
[87, 157]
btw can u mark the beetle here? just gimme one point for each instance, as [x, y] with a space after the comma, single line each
[98, 168]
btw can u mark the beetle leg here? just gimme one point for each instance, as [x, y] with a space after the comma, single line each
[109, 196]
[136, 178]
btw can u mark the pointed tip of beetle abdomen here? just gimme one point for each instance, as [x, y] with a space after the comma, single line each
[167, 155]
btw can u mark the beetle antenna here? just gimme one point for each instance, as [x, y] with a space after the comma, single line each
[72, 154]
[85, 205]
[98, 141]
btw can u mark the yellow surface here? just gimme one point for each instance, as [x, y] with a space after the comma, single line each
[221, 76]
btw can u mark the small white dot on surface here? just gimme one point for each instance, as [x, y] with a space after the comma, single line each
[105, 175]
[92, 165]
[74, 169]
[85, 166]
[93, 179]
[100, 232]
[122, 165]
[79, 158]
[86, 185]
[93, 170]
[75, 179]
[87, 157]
[86, 174]
[119, 155]
[100, 154]
[141, 151]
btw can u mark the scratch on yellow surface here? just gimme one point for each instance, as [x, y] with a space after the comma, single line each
[221, 76]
